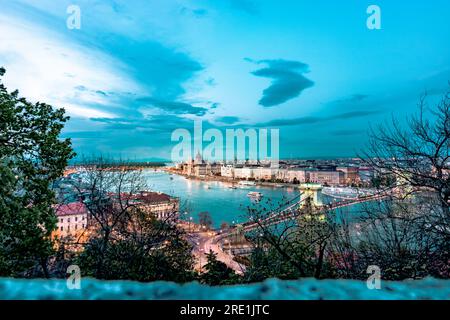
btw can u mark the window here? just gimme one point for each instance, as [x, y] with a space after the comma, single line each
[68, 219]
[62, 228]
[76, 219]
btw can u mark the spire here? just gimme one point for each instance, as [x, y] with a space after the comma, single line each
[198, 158]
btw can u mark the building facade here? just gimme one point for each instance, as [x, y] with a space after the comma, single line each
[351, 174]
[331, 178]
[296, 175]
[227, 171]
[160, 205]
[72, 220]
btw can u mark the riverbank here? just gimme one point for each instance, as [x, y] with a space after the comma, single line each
[229, 180]
[220, 199]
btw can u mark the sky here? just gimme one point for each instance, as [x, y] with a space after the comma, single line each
[137, 70]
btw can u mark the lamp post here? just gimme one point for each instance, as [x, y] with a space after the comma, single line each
[229, 245]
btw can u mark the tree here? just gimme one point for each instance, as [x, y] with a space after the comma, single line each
[128, 241]
[217, 273]
[292, 247]
[388, 234]
[266, 262]
[205, 219]
[152, 256]
[106, 189]
[416, 159]
[224, 225]
[32, 157]
[413, 224]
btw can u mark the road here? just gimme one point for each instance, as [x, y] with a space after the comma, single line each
[206, 241]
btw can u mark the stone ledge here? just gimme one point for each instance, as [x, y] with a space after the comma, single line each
[272, 289]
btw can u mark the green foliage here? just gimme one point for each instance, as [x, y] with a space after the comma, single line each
[127, 260]
[269, 264]
[217, 273]
[156, 252]
[205, 219]
[31, 157]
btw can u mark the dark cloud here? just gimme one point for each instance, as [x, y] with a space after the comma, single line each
[215, 105]
[197, 13]
[163, 70]
[84, 134]
[200, 12]
[353, 114]
[100, 92]
[161, 123]
[345, 132]
[247, 6]
[228, 119]
[314, 120]
[290, 122]
[288, 80]
[354, 98]
[358, 97]
[211, 82]
[174, 106]
[81, 88]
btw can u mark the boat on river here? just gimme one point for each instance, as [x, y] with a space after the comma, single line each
[255, 195]
[246, 183]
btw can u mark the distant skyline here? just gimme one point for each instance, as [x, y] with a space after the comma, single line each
[137, 70]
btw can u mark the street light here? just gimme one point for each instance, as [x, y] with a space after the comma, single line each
[229, 244]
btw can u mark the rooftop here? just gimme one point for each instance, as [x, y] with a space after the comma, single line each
[146, 196]
[68, 209]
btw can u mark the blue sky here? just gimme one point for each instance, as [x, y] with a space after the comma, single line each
[137, 70]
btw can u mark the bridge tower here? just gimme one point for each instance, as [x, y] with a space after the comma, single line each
[311, 195]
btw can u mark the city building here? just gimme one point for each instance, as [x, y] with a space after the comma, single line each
[264, 173]
[213, 169]
[366, 175]
[296, 176]
[351, 174]
[326, 172]
[161, 205]
[227, 171]
[72, 220]
[329, 178]
[282, 175]
[244, 173]
[199, 168]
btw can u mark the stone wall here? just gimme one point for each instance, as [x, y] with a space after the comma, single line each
[270, 289]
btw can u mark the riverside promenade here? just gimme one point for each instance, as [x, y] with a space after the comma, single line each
[228, 179]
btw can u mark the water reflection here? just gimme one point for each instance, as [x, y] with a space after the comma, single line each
[224, 203]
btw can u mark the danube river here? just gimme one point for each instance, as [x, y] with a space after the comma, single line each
[218, 198]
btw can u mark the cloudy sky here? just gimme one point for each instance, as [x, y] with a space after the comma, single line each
[137, 70]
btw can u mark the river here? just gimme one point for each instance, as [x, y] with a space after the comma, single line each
[223, 203]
